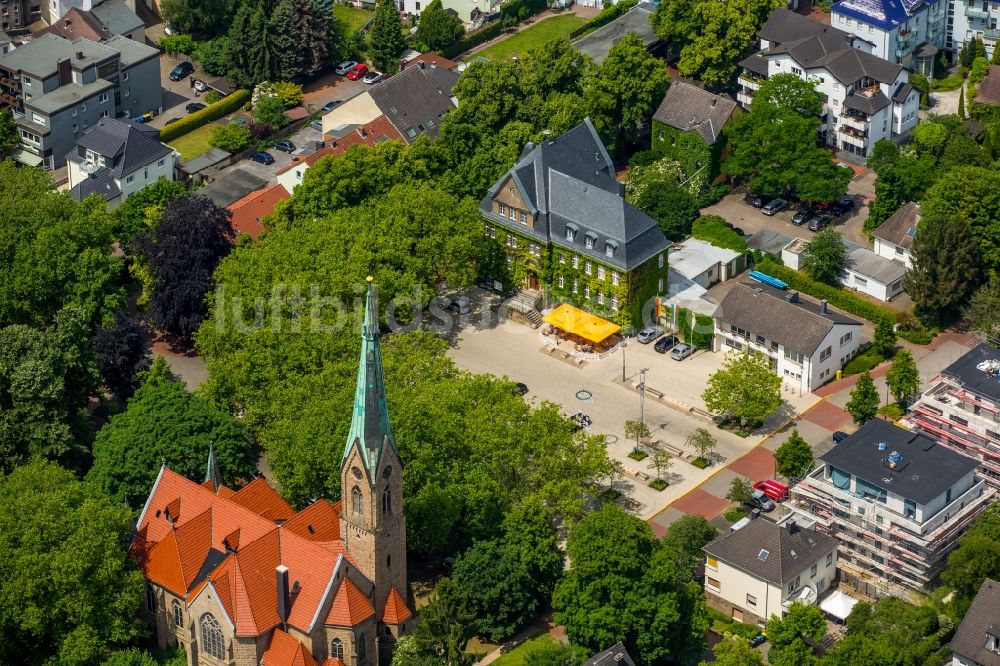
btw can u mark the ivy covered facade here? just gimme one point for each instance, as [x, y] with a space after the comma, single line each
[562, 225]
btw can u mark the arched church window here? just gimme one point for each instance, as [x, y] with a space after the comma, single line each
[178, 614]
[212, 642]
[358, 501]
[337, 649]
[387, 501]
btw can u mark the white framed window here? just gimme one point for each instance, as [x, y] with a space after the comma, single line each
[829, 559]
[562, 258]
[178, 614]
[159, 163]
[587, 268]
[576, 286]
[589, 242]
[614, 302]
[39, 120]
[124, 76]
[812, 571]
[103, 98]
[712, 584]
[751, 601]
[513, 192]
[586, 291]
[660, 286]
[105, 114]
[501, 210]
[614, 278]
[562, 282]
[600, 272]
[600, 297]
[129, 179]
[576, 262]
[75, 111]
[513, 214]
[845, 338]
[609, 250]
[661, 260]
[570, 234]
[212, 641]
[825, 354]
[524, 218]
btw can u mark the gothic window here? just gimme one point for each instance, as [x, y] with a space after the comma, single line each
[150, 599]
[387, 473]
[337, 649]
[388, 561]
[357, 473]
[178, 614]
[358, 501]
[212, 642]
[362, 649]
[387, 501]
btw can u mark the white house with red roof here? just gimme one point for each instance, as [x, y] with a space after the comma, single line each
[240, 578]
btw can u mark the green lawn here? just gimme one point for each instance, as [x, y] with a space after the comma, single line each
[194, 143]
[517, 656]
[353, 17]
[536, 35]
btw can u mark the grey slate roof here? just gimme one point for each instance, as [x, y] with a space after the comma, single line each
[772, 553]
[902, 92]
[234, 184]
[982, 617]
[972, 379]
[756, 64]
[814, 44]
[901, 226]
[799, 325]
[116, 17]
[101, 183]
[125, 148]
[41, 55]
[570, 180]
[67, 95]
[869, 265]
[131, 51]
[616, 655]
[415, 96]
[598, 43]
[868, 105]
[926, 471]
[688, 107]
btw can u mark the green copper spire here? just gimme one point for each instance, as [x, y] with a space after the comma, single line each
[212, 471]
[370, 420]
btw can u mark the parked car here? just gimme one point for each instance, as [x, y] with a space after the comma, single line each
[522, 388]
[758, 200]
[776, 491]
[330, 106]
[180, 71]
[761, 501]
[238, 120]
[284, 146]
[373, 77]
[774, 206]
[842, 207]
[803, 215]
[345, 67]
[317, 125]
[458, 305]
[172, 120]
[820, 221]
[262, 157]
[194, 107]
[358, 71]
[681, 351]
[839, 436]
[665, 344]
[648, 334]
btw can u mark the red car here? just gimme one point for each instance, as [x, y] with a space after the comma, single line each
[772, 489]
[357, 71]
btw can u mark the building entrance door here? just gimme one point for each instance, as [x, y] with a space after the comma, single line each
[532, 281]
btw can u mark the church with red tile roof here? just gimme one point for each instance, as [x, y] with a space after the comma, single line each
[241, 579]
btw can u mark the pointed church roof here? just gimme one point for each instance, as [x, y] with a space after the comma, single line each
[396, 610]
[370, 421]
[212, 473]
[350, 606]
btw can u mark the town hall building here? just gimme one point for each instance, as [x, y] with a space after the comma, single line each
[237, 578]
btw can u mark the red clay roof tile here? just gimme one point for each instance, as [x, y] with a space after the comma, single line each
[248, 211]
[286, 651]
[396, 610]
[262, 499]
[350, 607]
[320, 521]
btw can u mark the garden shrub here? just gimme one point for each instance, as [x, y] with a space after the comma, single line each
[862, 363]
[712, 229]
[658, 484]
[734, 514]
[232, 138]
[475, 38]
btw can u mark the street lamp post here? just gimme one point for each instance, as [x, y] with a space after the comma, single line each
[642, 396]
[624, 344]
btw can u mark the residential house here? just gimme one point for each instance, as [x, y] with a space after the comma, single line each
[248, 211]
[467, 11]
[59, 88]
[690, 119]
[598, 43]
[370, 134]
[6, 43]
[704, 264]
[908, 32]
[961, 409]
[977, 641]
[866, 98]
[240, 578]
[894, 237]
[106, 20]
[988, 91]
[414, 102]
[117, 158]
[897, 502]
[560, 217]
[17, 15]
[806, 342]
[970, 19]
[864, 270]
[756, 572]
[616, 655]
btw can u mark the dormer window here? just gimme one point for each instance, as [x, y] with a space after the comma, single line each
[609, 248]
[590, 240]
[571, 230]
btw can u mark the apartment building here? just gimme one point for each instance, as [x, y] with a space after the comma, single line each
[969, 19]
[866, 98]
[897, 501]
[908, 32]
[961, 409]
[806, 342]
[17, 15]
[59, 88]
[758, 571]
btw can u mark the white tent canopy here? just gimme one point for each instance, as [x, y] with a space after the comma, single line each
[838, 605]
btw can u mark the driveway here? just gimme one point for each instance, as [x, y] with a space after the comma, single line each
[176, 94]
[330, 87]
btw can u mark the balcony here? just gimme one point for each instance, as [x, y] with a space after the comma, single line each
[973, 13]
[744, 98]
[857, 122]
[750, 81]
[991, 35]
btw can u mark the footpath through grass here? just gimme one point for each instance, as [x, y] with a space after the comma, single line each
[194, 143]
[534, 36]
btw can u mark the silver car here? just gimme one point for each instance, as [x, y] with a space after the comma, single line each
[648, 334]
[345, 67]
[681, 351]
[774, 206]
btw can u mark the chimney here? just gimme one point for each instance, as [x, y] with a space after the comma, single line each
[65, 71]
[529, 146]
[67, 22]
[79, 55]
[284, 603]
[792, 527]
[822, 306]
[423, 65]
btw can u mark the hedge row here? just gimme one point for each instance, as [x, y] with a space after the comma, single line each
[843, 299]
[712, 229]
[522, 9]
[214, 111]
[475, 38]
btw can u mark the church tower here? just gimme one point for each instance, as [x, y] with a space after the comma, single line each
[372, 524]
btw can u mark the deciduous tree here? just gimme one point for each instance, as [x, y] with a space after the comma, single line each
[945, 269]
[702, 441]
[122, 353]
[687, 535]
[794, 457]
[745, 387]
[971, 193]
[884, 340]
[203, 17]
[787, 635]
[497, 588]
[661, 461]
[9, 138]
[740, 491]
[864, 402]
[385, 37]
[824, 256]
[182, 252]
[983, 312]
[903, 377]
[445, 627]
[164, 421]
[792, 92]
[437, 28]
[638, 429]
[734, 651]
[135, 213]
[69, 589]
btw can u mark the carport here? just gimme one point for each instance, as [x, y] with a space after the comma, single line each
[586, 332]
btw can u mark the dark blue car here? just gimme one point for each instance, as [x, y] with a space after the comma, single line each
[262, 157]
